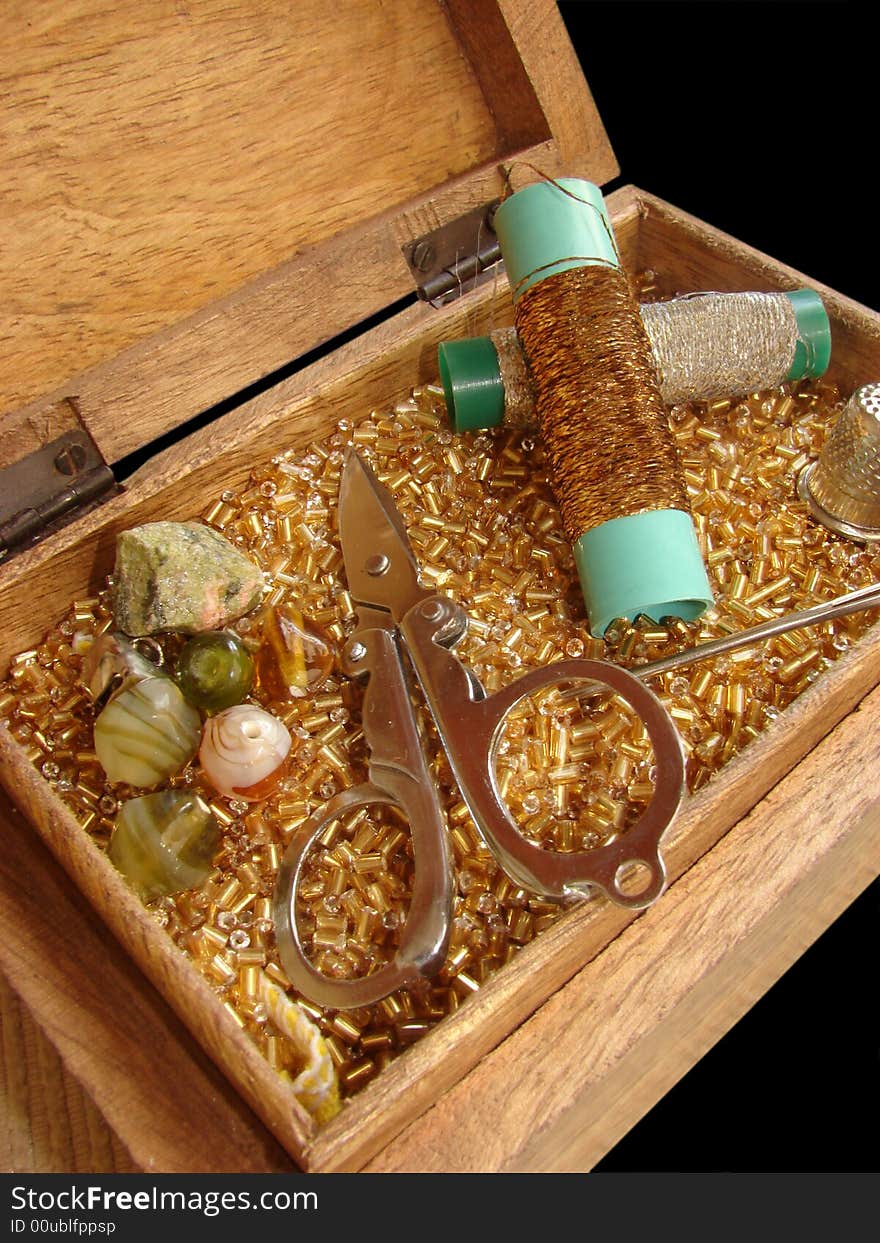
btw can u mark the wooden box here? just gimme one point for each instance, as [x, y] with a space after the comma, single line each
[186, 241]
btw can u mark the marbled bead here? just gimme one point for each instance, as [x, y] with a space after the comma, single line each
[146, 733]
[164, 843]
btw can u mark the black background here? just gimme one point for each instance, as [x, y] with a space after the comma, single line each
[761, 118]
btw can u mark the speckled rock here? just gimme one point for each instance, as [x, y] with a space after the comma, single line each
[180, 576]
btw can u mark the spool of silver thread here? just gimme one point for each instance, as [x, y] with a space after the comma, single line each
[704, 345]
[842, 487]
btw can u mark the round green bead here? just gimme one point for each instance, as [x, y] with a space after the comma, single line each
[215, 670]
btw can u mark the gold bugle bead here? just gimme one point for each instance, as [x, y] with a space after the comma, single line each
[275, 1051]
[278, 975]
[366, 922]
[221, 970]
[343, 1026]
[537, 824]
[768, 591]
[250, 957]
[565, 774]
[340, 1054]
[464, 984]
[460, 840]
[371, 862]
[391, 1008]
[392, 843]
[315, 1013]
[26, 658]
[248, 981]
[215, 935]
[735, 700]
[792, 669]
[457, 960]
[229, 893]
[372, 1042]
[364, 838]
[521, 926]
[505, 780]
[378, 898]
[340, 880]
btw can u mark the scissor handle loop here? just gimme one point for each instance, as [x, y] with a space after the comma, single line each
[470, 728]
[604, 866]
[422, 947]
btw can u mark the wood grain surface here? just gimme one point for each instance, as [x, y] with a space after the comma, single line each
[48, 1123]
[97, 1073]
[200, 193]
[159, 155]
[565, 1087]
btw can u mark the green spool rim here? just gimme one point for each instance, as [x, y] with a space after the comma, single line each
[472, 384]
[812, 353]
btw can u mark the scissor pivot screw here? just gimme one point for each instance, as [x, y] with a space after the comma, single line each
[377, 564]
[432, 610]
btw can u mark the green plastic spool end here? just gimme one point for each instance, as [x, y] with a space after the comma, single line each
[644, 563]
[471, 379]
[812, 353]
[551, 226]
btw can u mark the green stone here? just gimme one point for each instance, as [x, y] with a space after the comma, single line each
[181, 576]
[215, 670]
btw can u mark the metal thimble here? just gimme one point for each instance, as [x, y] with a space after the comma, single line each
[842, 488]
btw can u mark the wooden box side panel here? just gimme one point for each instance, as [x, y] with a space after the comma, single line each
[620, 1034]
[177, 980]
[71, 997]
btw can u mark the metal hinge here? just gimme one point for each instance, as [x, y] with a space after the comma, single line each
[50, 484]
[456, 258]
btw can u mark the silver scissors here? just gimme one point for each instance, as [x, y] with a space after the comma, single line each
[406, 633]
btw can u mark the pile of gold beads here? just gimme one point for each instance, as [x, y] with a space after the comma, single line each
[486, 531]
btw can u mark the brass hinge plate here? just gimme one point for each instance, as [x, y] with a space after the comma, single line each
[456, 258]
[41, 491]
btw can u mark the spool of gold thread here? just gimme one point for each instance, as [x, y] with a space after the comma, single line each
[602, 419]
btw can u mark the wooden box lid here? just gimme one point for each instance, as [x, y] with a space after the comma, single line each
[198, 194]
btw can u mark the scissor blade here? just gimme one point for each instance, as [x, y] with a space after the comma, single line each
[379, 563]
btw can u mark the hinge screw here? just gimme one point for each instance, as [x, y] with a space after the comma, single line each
[70, 460]
[423, 256]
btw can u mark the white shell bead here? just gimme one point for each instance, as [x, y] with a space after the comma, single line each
[242, 748]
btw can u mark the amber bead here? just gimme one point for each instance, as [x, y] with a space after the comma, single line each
[295, 656]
